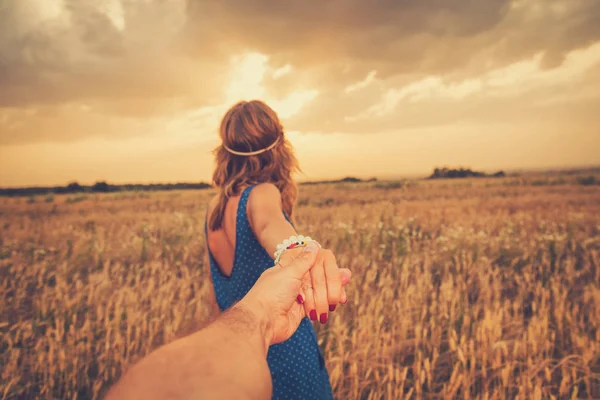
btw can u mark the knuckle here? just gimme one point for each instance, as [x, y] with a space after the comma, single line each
[319, 280]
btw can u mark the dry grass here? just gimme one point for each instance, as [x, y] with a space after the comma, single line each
[463, 289]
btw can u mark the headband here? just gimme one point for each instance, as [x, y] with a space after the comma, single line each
[251, 153]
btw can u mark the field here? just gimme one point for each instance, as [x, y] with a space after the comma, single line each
[465, 288]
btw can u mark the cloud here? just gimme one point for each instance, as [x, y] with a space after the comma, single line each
[398, 36]
[74, 69]
[55, 51]
[361, 84]
[513, 80]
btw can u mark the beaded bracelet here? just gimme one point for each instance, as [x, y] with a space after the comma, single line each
[291, 243]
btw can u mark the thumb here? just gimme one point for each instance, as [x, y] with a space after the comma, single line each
[303, 263]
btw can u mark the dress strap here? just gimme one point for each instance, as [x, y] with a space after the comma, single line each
[242, 213]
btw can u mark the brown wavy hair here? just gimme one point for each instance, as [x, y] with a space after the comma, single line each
[250, 126]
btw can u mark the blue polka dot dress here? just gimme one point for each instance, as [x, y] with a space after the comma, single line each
[297, 366]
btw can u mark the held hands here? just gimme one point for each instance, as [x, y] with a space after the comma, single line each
[323, 287]
[274, 297]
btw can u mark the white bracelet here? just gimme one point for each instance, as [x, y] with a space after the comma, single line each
[291, 243]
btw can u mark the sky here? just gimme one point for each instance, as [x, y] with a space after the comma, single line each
[134, 90]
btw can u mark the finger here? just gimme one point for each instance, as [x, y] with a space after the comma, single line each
[309, 298]
[301, 298]
[345, 275]
[343, 296]
[295, 316]
[319, 283]
[301, 264]
[333, 279]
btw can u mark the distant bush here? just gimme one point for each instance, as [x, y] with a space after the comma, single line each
[348, 179]
[31, 200]
[303, 201]
[76, 199]
[49, 198]
[549, 182]
[391, 185]
[446, 173]
[588, 180]
[513, 182]
[74, 187]
[101, 187]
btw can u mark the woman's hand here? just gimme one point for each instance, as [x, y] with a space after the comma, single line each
[323, 287]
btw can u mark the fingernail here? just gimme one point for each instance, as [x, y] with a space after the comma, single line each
[300, 299]
[312, 247]
[344, 302]
[313, 315]
[332, 307]
[323, 318]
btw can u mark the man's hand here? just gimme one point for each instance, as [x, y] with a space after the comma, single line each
[272, 299]
[227, 360]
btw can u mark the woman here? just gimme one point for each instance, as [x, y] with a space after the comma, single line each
[248, 222]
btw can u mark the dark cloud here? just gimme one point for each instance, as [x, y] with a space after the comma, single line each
[398, 36]
[394, 36]
[82, 55]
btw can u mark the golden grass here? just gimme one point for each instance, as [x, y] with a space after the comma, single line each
[469, 289]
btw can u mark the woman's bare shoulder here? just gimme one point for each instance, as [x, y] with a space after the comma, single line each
[264, 203]
[266, 190]
[264, 194]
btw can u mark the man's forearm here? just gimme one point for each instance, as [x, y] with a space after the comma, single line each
[225, 360]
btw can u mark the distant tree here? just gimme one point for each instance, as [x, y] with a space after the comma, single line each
[102, 187]
[588, 180]
[444, 173]
[74, 187]
[350, 179]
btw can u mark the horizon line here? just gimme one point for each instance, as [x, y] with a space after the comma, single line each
[554, 169]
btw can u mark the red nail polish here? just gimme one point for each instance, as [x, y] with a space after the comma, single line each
[300, 299]
[323, 318]
[332, 307]
[313, 315]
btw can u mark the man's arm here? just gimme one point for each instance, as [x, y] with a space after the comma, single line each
[226, 360]
[223, 361]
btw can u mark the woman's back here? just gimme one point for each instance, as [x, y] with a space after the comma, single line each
[297, 366]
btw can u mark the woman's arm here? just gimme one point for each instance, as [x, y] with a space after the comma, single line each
[322, 289]
[265, 214]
